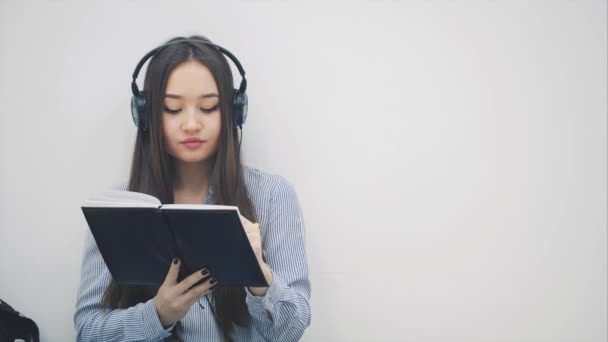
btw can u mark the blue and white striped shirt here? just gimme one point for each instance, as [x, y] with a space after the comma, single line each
[281, 315]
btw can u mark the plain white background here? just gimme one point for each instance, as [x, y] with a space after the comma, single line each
[450, 157]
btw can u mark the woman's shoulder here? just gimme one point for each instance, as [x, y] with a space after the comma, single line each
[124, 185]
[258, 181]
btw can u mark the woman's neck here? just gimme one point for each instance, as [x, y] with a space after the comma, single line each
[192, 178]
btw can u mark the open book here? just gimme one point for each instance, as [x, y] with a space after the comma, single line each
[138, 237]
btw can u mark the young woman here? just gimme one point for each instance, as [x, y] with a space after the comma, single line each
[187, 151]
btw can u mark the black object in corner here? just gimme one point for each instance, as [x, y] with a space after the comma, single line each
[14, 325]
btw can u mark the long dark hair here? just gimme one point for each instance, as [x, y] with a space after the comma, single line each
[152, 171]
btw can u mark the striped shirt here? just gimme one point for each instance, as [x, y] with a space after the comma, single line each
[282, 314]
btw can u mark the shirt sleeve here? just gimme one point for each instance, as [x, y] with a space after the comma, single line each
[137, 323]
[283, 313]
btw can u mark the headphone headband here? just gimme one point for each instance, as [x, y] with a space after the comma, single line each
[242, 86]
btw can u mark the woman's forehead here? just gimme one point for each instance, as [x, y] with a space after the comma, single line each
[191, 79]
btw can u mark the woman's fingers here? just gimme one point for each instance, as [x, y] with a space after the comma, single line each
[165, 300]
[243, 218]
[192, 279]
[171, 278]
[252, 229]
[198, 291]
[249, 226]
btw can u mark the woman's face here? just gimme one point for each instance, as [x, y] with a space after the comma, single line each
[191, 110]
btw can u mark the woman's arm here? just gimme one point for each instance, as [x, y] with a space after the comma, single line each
[137, 323]
[283, 313]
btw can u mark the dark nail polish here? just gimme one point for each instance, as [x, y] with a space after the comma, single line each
[212, 281]
[175, 261]
[204, 272]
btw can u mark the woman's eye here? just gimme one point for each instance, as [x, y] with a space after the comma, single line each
[172, 111]
[210, 110]
[206, 110]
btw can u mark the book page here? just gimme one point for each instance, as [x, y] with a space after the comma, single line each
[199, 207]
[121, 198]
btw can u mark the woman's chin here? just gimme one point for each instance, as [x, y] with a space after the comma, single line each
[194, 159]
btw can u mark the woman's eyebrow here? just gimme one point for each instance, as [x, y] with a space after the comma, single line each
[204, 96]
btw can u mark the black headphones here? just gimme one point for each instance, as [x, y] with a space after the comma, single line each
[139, 106]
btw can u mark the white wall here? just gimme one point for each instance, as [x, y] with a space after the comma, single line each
[450, 157]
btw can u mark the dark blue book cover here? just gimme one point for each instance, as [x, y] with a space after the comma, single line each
[139, 239]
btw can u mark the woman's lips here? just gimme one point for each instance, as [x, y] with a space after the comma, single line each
[192, 145]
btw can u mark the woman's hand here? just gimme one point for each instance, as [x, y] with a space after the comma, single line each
[173, 299]
[255, 239]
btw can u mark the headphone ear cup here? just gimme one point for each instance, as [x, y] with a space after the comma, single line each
[239, 107]
[138, 111]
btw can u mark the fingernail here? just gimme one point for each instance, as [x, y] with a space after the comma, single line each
[212, 281]
[204, 271]
[175, 260]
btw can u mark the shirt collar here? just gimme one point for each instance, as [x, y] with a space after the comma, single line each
[210, 193]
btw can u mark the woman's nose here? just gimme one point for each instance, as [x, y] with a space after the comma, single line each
[192, 119]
